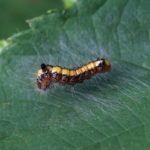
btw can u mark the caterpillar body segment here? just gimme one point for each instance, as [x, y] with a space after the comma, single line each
[47, 75]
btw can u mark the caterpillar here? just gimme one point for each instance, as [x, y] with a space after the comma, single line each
[47, 75]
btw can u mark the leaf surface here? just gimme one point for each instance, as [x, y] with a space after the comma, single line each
[110, 111]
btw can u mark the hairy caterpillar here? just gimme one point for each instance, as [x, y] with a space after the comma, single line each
[47, 74]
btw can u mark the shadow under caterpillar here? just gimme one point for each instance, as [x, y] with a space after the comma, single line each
[47, 75]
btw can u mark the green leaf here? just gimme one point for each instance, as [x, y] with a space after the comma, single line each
[110, 111]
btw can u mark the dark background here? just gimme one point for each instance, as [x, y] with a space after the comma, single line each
[14, 13]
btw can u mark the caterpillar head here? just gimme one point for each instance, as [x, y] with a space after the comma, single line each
[43, 77]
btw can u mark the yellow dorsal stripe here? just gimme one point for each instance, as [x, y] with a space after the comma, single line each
[85, 68]
[56, 69]
[65, 72]
[73, 73]
[90, 66]
[79, 71]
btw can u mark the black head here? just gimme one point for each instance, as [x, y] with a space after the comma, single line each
[43, 66]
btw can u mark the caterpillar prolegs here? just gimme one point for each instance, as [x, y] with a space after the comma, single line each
[47, 75]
